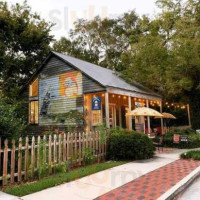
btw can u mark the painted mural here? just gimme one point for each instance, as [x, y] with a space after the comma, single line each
[70, 85]
[59, 95]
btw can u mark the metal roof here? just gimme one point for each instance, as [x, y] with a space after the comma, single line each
[104, 76]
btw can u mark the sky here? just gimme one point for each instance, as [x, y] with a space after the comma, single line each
[64, 12]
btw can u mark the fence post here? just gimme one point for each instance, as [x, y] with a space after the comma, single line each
[33, 156]
[12, 173]
[83, 145]
[98, 146]
[71, 146]
[75, 150]
[93, 143]
[50, 147]
[86, 140]
[64, 147]
[55, 150]
[79, 146]
[68, 146]
[38, 152]
[26, 158]
[91, 146]
[44, 150]
[20, 160]
[5, 162]
[59, 150]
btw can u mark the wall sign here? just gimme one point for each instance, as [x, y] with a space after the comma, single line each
[176, 138]
[184, 138]
[96, 103]
[138, 104]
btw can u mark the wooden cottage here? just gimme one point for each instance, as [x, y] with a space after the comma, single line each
[66, 90]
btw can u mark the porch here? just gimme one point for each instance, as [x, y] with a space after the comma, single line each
[112, 107]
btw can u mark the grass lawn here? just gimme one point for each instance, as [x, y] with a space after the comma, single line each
[47, 182]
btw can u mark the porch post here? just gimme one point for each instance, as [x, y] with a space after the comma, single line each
[107, 109]
[162, 130]
[130, 117]
[188, 112]
[148, 118]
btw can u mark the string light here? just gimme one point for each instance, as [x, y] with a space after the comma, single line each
[119, 96]
[175, 105]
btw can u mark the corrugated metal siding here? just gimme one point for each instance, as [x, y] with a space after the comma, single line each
[61, 89]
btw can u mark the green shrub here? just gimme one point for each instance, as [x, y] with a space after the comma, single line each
[117, 131]
[191, 155]
[12, 124]
[88, 156]
[130, 146]
[193, 140]
[184, 131]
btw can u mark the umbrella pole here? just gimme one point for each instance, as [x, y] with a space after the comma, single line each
[144, 126]
[162, 129]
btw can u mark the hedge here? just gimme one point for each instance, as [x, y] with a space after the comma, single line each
[191, 155]
[130, 146]
[193, 139]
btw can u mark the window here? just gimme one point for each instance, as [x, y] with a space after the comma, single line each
[96, 117]
[33, 117]
[33, 89]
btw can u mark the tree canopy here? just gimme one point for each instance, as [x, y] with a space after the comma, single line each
[162, 53]
[24, 43]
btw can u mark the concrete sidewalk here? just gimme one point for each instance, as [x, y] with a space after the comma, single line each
[95, 185]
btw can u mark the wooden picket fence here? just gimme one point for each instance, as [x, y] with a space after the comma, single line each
[17, 162]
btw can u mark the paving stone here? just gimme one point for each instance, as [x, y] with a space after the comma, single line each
[160, 181]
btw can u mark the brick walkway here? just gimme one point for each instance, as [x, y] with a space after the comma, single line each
[152, 185]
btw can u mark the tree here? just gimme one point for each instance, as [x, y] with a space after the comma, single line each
[24, 43]
[167, 57]
[12, 123]
[100, 41]
[161, 53]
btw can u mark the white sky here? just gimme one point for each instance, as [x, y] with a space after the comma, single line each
[64, 12]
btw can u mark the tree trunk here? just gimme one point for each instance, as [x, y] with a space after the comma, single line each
[194, 99]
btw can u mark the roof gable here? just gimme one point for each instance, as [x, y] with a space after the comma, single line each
[104, 76]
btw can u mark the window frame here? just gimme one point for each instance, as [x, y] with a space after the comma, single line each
[34, 122]
[36, 81]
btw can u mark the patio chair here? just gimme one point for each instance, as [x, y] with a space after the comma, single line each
[159, 144]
